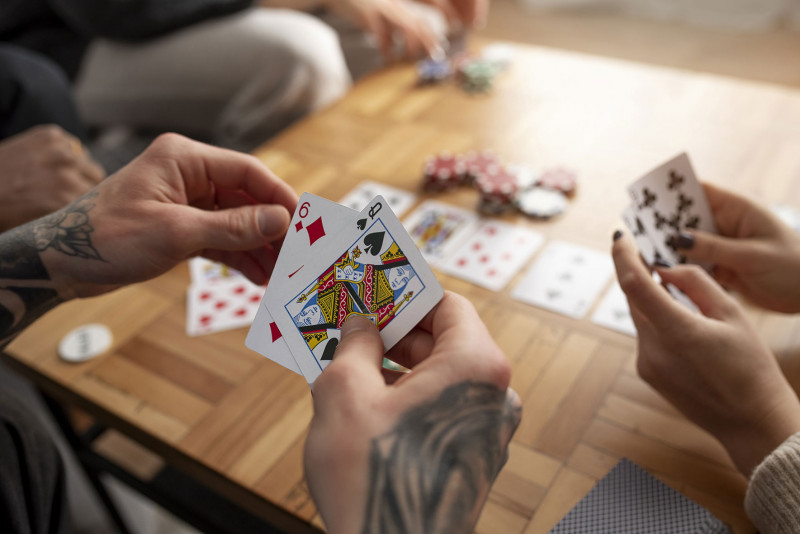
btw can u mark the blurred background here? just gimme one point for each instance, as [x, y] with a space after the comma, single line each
[751, 39]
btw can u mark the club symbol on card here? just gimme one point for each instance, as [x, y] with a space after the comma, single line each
[565, 276]
[553, 294]
[675, 221]
[361, 223]
[649, 198]
[692, 222]
[675, 180]
[684, 202]
[639, 227]
[660, 220]
[373, 243]
[620, 314]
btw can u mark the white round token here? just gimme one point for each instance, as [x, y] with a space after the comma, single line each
[85, 342]
[541, 202]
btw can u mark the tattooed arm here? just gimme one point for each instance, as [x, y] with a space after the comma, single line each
[416, 453]
[178, 199]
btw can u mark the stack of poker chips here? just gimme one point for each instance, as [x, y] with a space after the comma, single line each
[473, 73]
[501, 187]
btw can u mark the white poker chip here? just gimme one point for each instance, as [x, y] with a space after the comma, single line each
[85, 342]
[526, 177]
[541, 202]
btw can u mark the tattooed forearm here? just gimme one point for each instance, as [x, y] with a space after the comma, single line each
[430, 473]
[26, 290]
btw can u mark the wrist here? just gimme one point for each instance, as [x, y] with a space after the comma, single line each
[749, 443]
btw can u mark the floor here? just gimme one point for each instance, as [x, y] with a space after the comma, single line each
[772, 57]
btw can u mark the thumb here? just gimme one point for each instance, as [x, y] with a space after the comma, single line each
[242, 228]
[704, 247]
[360, 344]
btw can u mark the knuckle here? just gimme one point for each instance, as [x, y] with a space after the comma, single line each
[168, 142]
[50, 132]
[631, 284]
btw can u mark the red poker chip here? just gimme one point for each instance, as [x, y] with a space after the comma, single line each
[498, 185]
[480, 163]
[559, 179]
[444, 171]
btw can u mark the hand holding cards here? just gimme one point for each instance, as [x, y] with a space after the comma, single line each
[370, 268]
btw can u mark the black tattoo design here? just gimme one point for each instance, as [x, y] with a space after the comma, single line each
[26, 290]
[430, 473]
[69, 230]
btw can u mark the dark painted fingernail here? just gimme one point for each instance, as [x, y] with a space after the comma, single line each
[617, 234]
[661, 263]
[685, 240]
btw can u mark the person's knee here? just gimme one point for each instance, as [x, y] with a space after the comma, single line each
[309, 49]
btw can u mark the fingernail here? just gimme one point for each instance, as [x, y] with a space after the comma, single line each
[685, 240]
[271, 218]
[661, 263]
[617, 234]
[355, 323]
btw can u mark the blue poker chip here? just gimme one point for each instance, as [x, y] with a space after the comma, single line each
[431, 70]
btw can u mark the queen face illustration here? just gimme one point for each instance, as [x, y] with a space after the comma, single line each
[310, 315]
[399, 276]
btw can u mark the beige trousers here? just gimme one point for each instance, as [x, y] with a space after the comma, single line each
[234, 81]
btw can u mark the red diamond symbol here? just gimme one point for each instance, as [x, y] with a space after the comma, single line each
[315, 231]
[485, 258]
[461, 262]
[205, 296]
[491, 230]
[221, 304]
[276, 333]
[205, 319]
[239, 290]
[240, 312]
[477, 246]
[492, 272]
[298, 226]
[255, 298]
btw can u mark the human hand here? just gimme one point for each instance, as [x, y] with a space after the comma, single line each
[41, 170]
[463, 13]
[418, 453]
[178, 199]
[755, 254]
[712, 366]
[386, 18]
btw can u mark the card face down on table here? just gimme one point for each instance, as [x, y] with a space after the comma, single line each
[370, 267]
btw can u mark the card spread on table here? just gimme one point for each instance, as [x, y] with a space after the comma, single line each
[613, 312]
[371, 267]
[313, 224]
[667, 200]
[222, 305]
[629, 500]
[566, 278]
[438, 228]
[398, 199]
[492, 254]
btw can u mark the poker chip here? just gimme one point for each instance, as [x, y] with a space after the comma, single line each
[499, 55]
[559, 179]
[85, 342]
[433, 70]
[478, 164]
[476, 76]
[541, 202]
[525, 176]
[497, 188]
[444, 171]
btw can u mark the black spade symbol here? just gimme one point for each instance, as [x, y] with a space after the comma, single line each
[330, 349]
[373, 243]
[361, 223]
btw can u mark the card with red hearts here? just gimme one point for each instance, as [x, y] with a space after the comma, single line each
[223, 305]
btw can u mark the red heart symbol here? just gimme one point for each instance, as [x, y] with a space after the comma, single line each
[204, 320]
[239, 290]
[205, 296]
[221, 304]
[240, 312]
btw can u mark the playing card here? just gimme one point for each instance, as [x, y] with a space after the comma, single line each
[371, 269]
[667, 200]
[399, 200]
[492, 255]
[613, 311]
[565, 278]
[313, 224]
[204, 271]
[223, 305]
[438, 228]
[631, 218]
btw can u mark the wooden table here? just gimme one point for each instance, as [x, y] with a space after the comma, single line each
[236, 421]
